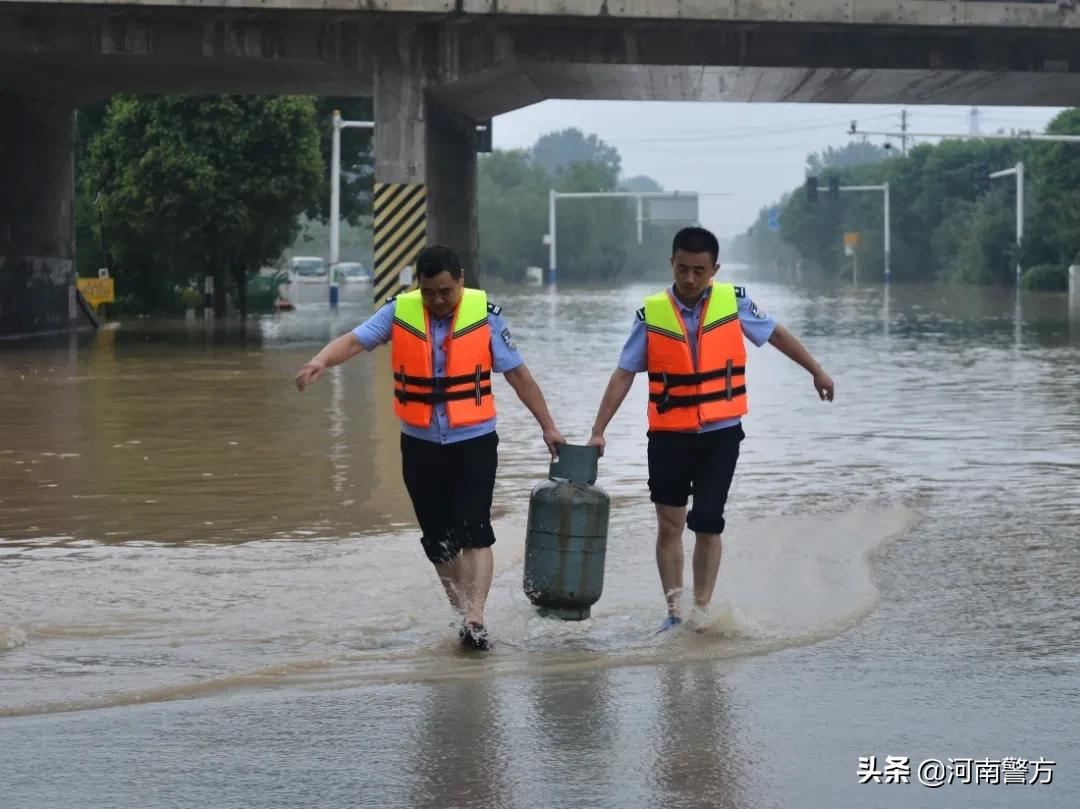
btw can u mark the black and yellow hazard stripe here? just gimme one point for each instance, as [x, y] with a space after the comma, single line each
[400, 231]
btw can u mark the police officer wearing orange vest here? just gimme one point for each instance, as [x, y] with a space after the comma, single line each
[690, 340]
[446, 341]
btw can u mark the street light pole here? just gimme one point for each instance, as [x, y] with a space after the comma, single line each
[888, 237]
[551, 236]
[335, 196]
[1018, 172]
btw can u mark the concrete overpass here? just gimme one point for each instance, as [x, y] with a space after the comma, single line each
[438, 67]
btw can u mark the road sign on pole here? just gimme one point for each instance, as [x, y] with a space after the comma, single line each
[774, 219]
[97, 290]
[851, 241]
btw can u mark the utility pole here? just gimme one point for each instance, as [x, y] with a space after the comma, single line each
[903, 129]
[973, 121]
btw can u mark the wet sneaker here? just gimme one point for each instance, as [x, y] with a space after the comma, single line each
[670, 622]
[474, 636]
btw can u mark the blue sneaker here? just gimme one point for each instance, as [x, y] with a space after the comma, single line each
[670, 622]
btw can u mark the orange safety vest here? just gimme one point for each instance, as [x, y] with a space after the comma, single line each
[683, 397]
[466, 388]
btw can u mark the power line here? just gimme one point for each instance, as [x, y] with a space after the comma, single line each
[722, 134]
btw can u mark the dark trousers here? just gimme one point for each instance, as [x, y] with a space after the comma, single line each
[451, 486]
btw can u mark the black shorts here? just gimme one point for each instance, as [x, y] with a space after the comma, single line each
[450, 486]
[698, 464]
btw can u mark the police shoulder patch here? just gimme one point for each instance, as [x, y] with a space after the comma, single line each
[508, 339]
[740, 292]
[494, 309]
[641, 314]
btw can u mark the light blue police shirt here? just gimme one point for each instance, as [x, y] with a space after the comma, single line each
[377, 329]
[756, 326]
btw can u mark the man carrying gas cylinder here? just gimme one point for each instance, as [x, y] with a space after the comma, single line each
[690, 340]
[446, 342]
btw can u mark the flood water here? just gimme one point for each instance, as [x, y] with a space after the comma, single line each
[212, 591]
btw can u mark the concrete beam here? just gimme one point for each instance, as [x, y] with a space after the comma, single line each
[78, 54]
[911, 13]
[489, 63]
[492, 69]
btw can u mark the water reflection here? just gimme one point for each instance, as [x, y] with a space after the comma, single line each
[1074, 309]
[697, 750]
[461, 754]
[1018, 320]
[576, 730]
[886, 313]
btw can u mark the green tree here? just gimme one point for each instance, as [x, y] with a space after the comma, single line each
[857, 153]
[558, 150]
[948, 220]
[1056, 170]
[597, 237]
[640, 182]
[592, 232]
[192, 185]
[513, 213]
[89, 255]
[987, 255]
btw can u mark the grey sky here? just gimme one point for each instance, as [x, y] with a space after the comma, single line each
[753, 151]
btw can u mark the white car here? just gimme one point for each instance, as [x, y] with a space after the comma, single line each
[353, 272]
[308, 269]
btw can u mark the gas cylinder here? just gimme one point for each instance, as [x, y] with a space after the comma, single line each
[566, 543]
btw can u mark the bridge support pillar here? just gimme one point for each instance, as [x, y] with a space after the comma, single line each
[37, 230]
[425, 165]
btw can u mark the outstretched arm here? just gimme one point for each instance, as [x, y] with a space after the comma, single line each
[333, 353]
[788, 344]
[533, 398]
[618, 386]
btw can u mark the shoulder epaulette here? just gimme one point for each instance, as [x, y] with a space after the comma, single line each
[641, 314]
[494, 309]
[740, 292]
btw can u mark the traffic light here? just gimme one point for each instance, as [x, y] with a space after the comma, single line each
[811, 189]
[981, 178]
[834, 189]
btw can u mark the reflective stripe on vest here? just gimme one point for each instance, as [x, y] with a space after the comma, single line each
[682, 396]
[466, 388]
